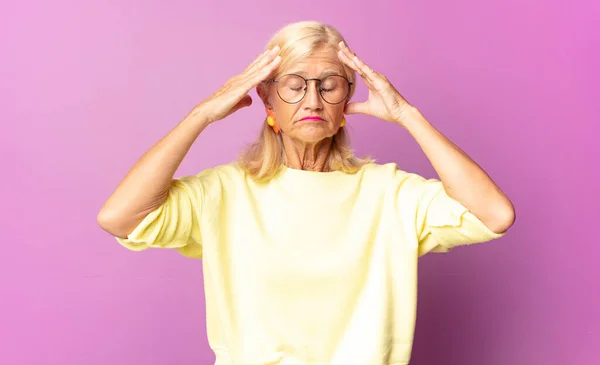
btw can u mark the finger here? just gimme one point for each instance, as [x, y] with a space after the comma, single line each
[364, 70]
[361, 67]
[346, 56]
[245, 102]
[343, 56]
[261, 74]
[258, 76]
[348, 53]
[351, 59]
[344, 47]
[350, 62]
[356, 108]
[257, 59]
[264, 59]
[347, 60]
[242, 84]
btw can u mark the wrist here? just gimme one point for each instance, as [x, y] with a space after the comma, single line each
[409, 116]
[198, 115]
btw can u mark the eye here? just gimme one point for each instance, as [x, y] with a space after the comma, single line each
[328, 87]
[329, 84]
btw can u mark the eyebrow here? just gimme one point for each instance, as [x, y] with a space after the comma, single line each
[323, 74]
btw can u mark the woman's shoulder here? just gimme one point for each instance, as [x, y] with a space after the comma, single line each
[390, 174]
[224, 172]
[217, 174]
[389, 169]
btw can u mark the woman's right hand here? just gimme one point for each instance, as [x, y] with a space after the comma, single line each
[146, 186]
[233, 95]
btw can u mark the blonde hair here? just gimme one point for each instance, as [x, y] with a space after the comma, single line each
[263, 159]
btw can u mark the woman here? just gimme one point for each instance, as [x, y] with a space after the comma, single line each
[309, 253]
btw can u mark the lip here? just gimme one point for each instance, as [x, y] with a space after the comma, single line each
[312, 118]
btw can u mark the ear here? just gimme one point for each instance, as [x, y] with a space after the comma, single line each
[261, 91]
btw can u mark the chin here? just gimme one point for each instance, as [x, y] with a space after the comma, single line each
[313, 136]
[311, 132]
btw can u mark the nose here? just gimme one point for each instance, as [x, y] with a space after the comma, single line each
[312, 99]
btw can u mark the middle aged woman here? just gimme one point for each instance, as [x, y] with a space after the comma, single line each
[309, 252]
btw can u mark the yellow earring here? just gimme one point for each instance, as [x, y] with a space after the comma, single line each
[343, 123]
[271, 121]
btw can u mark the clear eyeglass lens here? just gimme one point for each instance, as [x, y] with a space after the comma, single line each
[291, 88]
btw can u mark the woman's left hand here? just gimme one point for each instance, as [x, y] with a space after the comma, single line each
[384, 101]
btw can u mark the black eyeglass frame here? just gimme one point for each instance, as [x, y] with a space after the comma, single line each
[319, 88]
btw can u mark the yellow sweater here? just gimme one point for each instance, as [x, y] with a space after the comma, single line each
[311, 268]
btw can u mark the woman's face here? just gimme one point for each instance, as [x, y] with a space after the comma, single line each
[326, 117]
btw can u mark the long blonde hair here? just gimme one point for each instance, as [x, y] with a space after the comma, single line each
[263, 159]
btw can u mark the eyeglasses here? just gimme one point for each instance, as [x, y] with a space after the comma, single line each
[333, 89]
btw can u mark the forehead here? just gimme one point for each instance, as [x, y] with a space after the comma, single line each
[318, 63]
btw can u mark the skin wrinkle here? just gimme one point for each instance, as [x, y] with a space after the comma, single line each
[307, 144]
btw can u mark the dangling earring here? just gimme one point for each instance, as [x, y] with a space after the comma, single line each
[273, 123]
[343, 123]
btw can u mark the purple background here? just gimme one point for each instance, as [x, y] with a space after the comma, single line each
[87, 87]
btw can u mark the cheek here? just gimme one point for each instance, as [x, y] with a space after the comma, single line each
[336, 112]
[285, 113]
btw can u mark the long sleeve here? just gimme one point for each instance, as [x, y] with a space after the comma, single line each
[441, 223]
[175, 224]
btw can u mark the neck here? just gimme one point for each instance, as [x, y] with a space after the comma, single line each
[307, 156]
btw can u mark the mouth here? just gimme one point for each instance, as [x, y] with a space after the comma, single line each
[311, 119]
